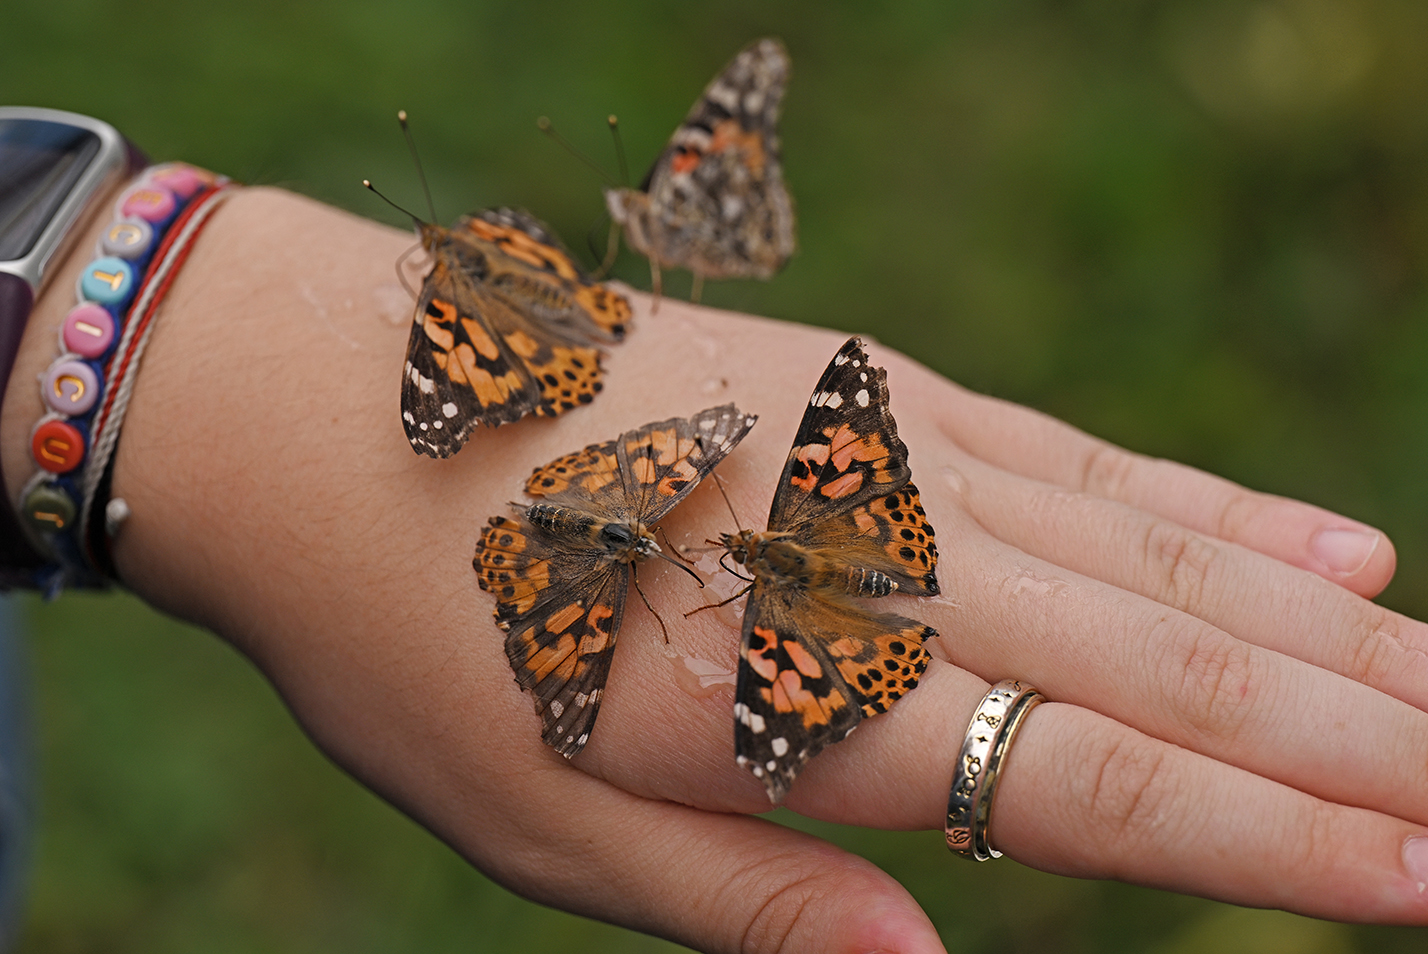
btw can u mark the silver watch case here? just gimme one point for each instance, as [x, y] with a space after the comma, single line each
[106, 167]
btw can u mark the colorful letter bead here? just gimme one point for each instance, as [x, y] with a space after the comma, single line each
[151, 203]
[182, 181]
[127, 238]
[57, 447]
[107, 280]
[70, 387]
[48, 508]
[88, 330]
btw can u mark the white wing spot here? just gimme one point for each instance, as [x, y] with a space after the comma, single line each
[840, 360]
[424, 385]
[557, 708]
[449, 409]
[780, 746]
[772, 765]
[862, 398]
[580, 700]
[748, 717]
[436, 425]
[864, 377]
[407, 416]
[725, 96]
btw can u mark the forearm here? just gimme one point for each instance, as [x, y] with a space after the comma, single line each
[273, 490]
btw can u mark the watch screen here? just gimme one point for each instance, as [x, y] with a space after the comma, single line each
[40, 162]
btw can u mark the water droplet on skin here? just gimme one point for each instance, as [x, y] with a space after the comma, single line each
[393, 304]
[955, 480]
[1028, 585]
[699, 678]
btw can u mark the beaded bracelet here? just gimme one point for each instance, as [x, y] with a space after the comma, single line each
[87, 388]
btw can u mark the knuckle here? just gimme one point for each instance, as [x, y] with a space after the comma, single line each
[1183, 562]
[1315, 839]
[1127, 794]
[774, 925]
[1215, 693]
[1238, 512]
[1107, 471]
[1377, 650]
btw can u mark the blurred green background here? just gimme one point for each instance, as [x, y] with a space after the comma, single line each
[1198, 229]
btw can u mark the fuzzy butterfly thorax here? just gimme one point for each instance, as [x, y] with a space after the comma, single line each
[777, 560]
[506, 325]
[714, 202]
[846, 523]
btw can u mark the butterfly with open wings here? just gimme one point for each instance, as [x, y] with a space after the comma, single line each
[846, 522]
[561, 570]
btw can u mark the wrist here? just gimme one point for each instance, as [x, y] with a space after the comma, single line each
[22, 405]
[64, 502]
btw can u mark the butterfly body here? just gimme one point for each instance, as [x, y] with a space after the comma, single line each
[506, 325]
[715, 201]
[617, 541]
[562, 568]
[778, 561]
[846, 522]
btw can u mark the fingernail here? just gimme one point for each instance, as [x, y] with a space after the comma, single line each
[1415, 859]
[1345, 551]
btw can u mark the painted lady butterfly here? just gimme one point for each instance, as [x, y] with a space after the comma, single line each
[562, 569]
[714, 202]
[846, 521]
[506, 326]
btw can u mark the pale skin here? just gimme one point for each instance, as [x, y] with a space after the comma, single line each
[1231, 716]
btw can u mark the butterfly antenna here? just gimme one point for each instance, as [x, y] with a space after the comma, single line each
[367, 183]
[544, 124]
[619, 148]
[635, 578]
[718, 482]
[421, 173]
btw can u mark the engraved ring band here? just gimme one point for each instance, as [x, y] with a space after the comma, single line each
[989, 737]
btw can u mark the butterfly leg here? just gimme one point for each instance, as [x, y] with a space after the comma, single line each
[612, 249]
[731, 599]
[696, 290]
[635, 578]
[654, 285]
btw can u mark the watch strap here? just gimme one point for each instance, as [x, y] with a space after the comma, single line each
[18, 559]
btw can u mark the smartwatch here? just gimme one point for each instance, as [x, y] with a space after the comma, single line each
[54, 169]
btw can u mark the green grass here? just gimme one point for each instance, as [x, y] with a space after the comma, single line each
[1199, 229]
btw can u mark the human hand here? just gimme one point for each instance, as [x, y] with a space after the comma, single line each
[290, 515]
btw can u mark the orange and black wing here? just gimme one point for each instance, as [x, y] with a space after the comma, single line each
[505, 326]
[662, 462]
[715, 199]
[846, 485]
[560, 605]
[811, 668]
